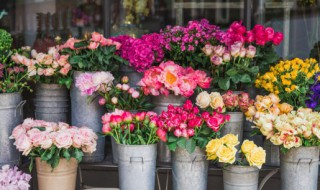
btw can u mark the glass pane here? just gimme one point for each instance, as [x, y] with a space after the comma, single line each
[37, 22]
[143, 16]
[298, 20]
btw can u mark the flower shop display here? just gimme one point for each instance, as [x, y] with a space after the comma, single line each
[136, 138]
[238, 174]
[295, 81]
[56, 148]
[183, 43]
[12, 83]
[240, 54]
[12, 178]
[52, 73]
[187, 132]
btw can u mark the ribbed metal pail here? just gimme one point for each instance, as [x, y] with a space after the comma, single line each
[51, 103]
[11, 115]
[161, 103]
[87, 114]
[299, 168]
[137, 166]
[189, 171]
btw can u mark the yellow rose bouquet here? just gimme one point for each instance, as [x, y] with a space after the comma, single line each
[295, 81]
[223, 150]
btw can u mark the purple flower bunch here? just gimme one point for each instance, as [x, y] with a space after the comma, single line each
[188, 38]
[314, 98]
[11, 178]
[142, 52]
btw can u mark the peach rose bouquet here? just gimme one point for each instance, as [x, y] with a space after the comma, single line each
[51, 141]
[223, 150]
[170, 77]
[48, 68]
[94, 53]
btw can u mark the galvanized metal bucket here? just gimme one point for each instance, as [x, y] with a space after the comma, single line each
[51, 103]
[234, 126]
[161, 103]
[189, 171]
[134, 76]
[299, 169]
[137, 166]
[87, 114]
[11, 115]
[247, 133]
[244, 178]
[272, 154]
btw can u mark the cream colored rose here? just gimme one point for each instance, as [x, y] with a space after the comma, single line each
[274, 110]
[230, 140]
[285, 108]
[216, 100]
[203, 100]
[274, 98]
[291, 141]
[276, 140]
[212, 148]
[250, 112]
[257, 157]
[266, 101]
[247, 146]
[227, 154]
[316, 131]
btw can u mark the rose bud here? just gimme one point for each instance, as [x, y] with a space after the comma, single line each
[205, 115]
[185, 133]
[177, 133]
[243, 52]
[106, 128]
[219, 50]
[226, 57]
[114, 100]
[131, 127]
[140, 116]
[131, 90]
[190, 132]
[207, 49]
[153, 123]
[251, 52]
[127, 117]
[125, 79]
[135, 94]
[216, 60]
[115, 120]
[162, 134]
[102, 101]
[125, 87]
[119, 86]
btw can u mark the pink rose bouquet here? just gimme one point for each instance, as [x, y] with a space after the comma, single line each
[170, 77]
[185, 127]
[229, 101]
[51, 141]
[94, 54]
[49, 68]
[120, 96]
[131, 129]
[142, 52]
[241, 54]
[183, 43]
[13, 179]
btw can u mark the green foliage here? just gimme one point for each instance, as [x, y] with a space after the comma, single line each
[5, 41]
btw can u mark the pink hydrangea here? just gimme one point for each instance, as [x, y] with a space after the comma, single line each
[88, 83]
[13, 179]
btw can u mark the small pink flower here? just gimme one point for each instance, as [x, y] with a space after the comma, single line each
[105, 42]
[251, 51]
[96, 37]
[208, 49]
[162, 134]
[127, 117]
[135, 94]
[48, 72]
[63, 140]
[131, 90]
[277, 39]
[102, 101]
[219, 50]
[93, 45]
[106, 128]
[23, 144]
[216, 60]
[125, 87]
[236, 48]
[140, 116]
[177, 133]
[226, 57]
[115, 120]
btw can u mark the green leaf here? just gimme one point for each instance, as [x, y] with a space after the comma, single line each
[66, 154]
[224, 83]
[78, 154]
[205, 131]
[182, 142]
[245, 78]
[48, 154]
[232, 72]
[31, 164]
[190, 145]
[172, 139]
[142, 141]
[80, 44]
[255, 69]
[172, 146]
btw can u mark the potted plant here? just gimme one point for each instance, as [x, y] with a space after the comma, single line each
[240, 54]
[56, 148]
[137, 140]
[169, 83]
[233, 104]
[51, 72]
[187, 132]
[12, 178]
[297, 133]
[141, 53]
[93, 54]
[12, 83]
[238, 174]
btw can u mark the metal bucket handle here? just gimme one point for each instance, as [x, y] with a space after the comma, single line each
[137, 159]
[265, 179]
[195, 157]
[19, 108]
[307, 159]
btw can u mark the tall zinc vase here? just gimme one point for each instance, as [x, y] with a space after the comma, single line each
[299, 168]
[51, 103]
[161, 103]
[189, 171]
[134, 76]
[63, 177]
[244, 178]
[11, 115]
[137, 166]
[84, 113]
[272, 153]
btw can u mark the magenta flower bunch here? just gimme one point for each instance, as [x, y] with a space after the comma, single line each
[12, 178]
[183, 43]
